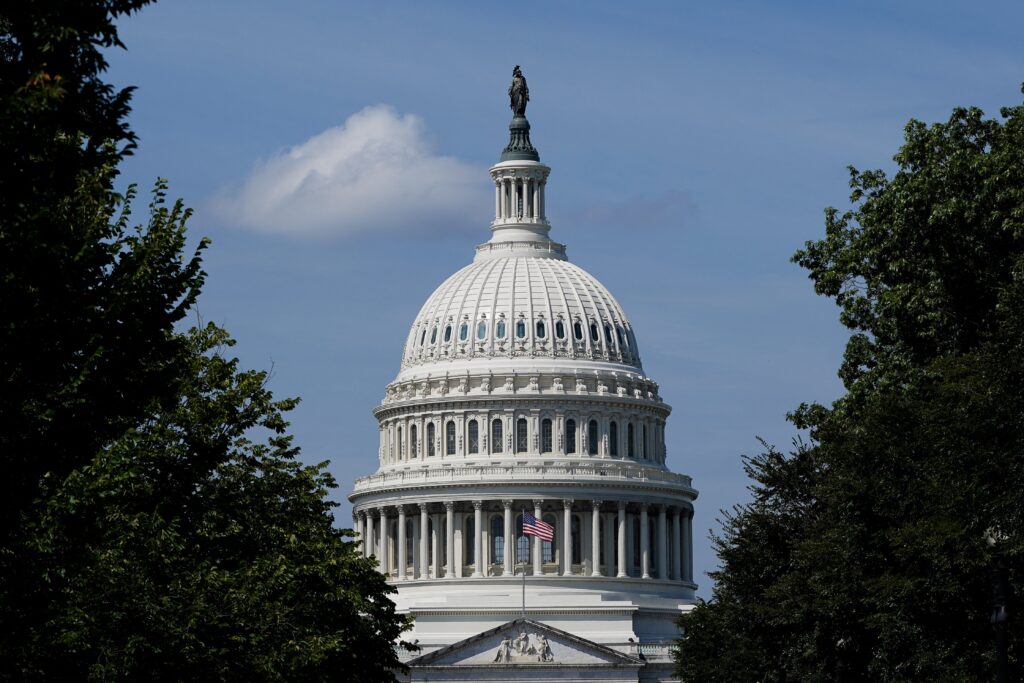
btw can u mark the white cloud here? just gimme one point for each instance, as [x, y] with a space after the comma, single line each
[375, 172]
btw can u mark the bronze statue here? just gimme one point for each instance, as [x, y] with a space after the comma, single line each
[518, 93]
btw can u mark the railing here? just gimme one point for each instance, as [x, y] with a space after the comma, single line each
[464, 473]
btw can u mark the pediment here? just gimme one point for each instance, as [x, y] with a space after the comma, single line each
[526, 643]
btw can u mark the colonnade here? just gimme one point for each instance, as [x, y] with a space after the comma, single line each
[452, 539]
[519, 199]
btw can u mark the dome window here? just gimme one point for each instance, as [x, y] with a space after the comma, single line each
[577, 330]
[463, 331]
[496, 436]
[622, 340]
[447, 333]
[592, 437]
[608, 334]
[541, 330]
[431, 435]
[449, 437]
[499, 329]
[423, 336]
[560, 329]
[481, 330]
[433, 335]
[594, 336]
[522, 439]
[521, 329]
[630, 441]
[545, 436]
[570, 436]
[474, 437]
[613, 438]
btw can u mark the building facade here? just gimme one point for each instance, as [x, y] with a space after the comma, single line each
[521, 390]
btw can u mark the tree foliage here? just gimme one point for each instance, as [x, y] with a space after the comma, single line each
[862, 553]
[154, 521]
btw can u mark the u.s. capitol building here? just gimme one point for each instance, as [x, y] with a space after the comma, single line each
[521, 389]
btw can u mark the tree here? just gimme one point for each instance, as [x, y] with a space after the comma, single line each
[883, 573]
[144, 532]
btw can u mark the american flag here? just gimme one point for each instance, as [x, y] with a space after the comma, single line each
[535, 527]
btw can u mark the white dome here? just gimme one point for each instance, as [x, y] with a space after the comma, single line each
[521, 306]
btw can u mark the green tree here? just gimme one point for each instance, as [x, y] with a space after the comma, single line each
[861, 555]
[145, 529]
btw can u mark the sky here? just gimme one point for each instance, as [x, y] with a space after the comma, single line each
[337, 153]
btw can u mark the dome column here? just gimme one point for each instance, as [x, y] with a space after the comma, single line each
[645, 544]
[424, 541]
[368, 543]
[478, 538]
[361, 531]
[538, 560]
[382, 555]
[662, 544]
[449, 546]
[402, 550]
[677, 543]
[622, 541]
[595, 538]
[567, 537]
[509, 542]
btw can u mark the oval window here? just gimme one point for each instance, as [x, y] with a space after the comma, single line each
[423, 336]
[541, 331]
[520, 328]
[608, 334]
[618, 333]
[499, 329]
[593, 332]
[433, 335]
[447, 333]
[463, 331]
[481, 330]
[560, 329]
[577, 330]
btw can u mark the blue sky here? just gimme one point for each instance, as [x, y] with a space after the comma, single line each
[694, 147]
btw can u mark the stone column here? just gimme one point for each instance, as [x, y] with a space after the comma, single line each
[385, 531]
[645, 544]
[662, 543]
[361, 531]
[509, 558]
[497, 201]
[449, 550]
[567, 539]
[536, 194]
[478, 538]
[622, 540]
[424, 541]
[677, 543]
[403, 558]
[595, 538]
[688, 548]
[538, 550]
[368, 549]
[608, 543]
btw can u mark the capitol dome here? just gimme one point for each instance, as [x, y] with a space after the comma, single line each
[521, 404]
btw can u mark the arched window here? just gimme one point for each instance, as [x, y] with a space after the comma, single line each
[481, 330]
[577, 330]
[560, 329]
[613, 437]
[447, 333]
[463, 331]
[547, 548]
[469, 540]
[414, 445]
[433, 334]
[496, 436]
[520, 328]
[541, 330]
[431, 436]
[630, 441]
[593, 332]
[545, 436]
[570, 436]
[401, 450]
[643, 444]
[592, 437]
[499, 329]
[449, 438]
[577, 540]
[497, 540]
[474, 437]
[522, 445]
